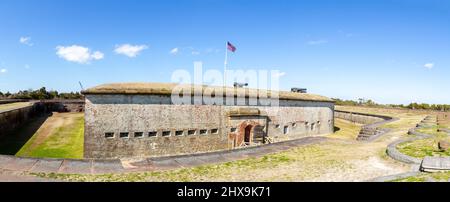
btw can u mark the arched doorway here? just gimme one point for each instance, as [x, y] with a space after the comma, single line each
[248, 135]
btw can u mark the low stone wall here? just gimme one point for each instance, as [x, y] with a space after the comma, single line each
[360, 118]
[397, 155]
[370, 130]
[428, 164]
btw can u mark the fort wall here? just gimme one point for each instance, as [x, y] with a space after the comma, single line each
[13, 118]
[126, 125]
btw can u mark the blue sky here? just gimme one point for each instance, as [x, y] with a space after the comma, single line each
[391, 51]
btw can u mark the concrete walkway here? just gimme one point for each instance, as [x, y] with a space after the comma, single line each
[11, 176]
[68, 166]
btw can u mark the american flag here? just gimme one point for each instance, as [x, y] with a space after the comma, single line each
[231, 47]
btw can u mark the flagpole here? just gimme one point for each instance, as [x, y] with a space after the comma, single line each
[225, 65]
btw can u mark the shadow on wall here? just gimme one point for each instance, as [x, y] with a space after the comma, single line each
[13, 141]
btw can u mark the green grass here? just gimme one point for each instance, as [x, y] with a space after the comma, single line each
[422, 148]
[425, 147]
[441, 176]
[64, 142]
[432, 131]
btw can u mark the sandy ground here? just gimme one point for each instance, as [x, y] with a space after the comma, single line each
[368, 160]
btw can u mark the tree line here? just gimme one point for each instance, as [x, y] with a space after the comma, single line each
[40, 94]
[371, 103]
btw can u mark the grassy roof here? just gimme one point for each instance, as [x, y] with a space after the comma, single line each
[168, 88]
[15, 105]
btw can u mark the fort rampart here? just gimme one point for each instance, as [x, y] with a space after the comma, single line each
[14, 117]
[10, 119]
[372, 122]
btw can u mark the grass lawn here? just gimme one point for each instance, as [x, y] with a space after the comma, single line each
[61, 136]
[13, 105]
[425, 147]
[422, 148]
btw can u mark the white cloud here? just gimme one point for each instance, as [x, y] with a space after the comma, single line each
[429, 65]
[317, 42]
[174, 51]
[195, 53]
[2, 71]
[97, 55]
[130, 50]
[78, 54]
[25, 41]
[279, 74]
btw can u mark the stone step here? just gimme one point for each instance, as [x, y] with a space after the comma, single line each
[369, 129]
[367, 133]
[362, 138]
